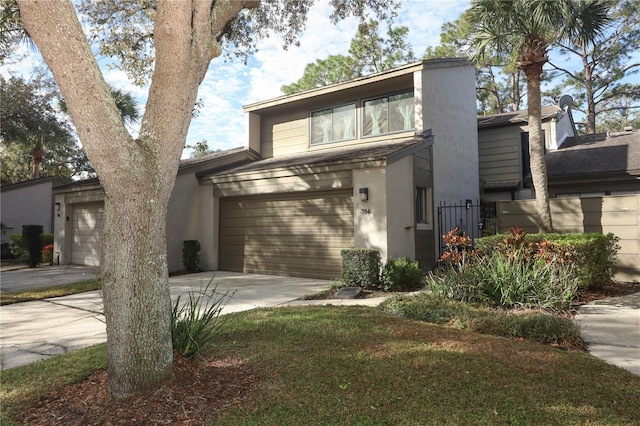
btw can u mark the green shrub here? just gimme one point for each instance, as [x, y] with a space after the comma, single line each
[18, 250]
[402, 274]
[361, 267]
[537, 326]
[596, 256]
[47, 239]
[191, 255]
[31, 235]
[508, 283]
[195, 323]
[593, 255]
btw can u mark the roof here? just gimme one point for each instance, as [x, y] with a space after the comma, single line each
[385, 150]
[596, 154]
[56, 181]
[371, 78]
[515, 117]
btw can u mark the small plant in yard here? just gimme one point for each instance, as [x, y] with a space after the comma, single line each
[195, 323]
[402, 274]
[191, 255]
[361, 268]
[47, 254]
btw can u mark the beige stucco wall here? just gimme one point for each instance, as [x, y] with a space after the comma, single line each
[190, 216]
[401, 208]
[370, 217]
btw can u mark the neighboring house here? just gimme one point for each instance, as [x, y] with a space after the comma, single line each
[503, 149]
[595, 165]
[79, 222]
[28, 203]
[360, 164]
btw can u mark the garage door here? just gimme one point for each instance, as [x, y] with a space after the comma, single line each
[293, 235]
[86, 229]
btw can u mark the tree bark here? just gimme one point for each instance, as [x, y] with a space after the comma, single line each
[536, 147]
[137, 175]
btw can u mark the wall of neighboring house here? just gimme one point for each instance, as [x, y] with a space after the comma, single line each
[619, 215]
[499, 154]
[26, 205]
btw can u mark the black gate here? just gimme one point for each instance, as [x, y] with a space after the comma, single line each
[475, 219]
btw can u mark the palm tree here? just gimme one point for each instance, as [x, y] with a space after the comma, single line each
[527, 28]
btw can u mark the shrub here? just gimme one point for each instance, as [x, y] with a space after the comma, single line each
[360, 267]
[402, 274]
[516, 282]
[191, 255]
[31, 235]
[538, 326]
[47, 239]
[47, 254]
[195, 323]
[18, 249]
[593, 255]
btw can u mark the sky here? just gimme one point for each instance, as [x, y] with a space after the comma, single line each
[230, 85]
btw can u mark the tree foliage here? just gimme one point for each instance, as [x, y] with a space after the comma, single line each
[369, 52]
[170, 45]
[526, 29]
[598, 87]
[36, 140]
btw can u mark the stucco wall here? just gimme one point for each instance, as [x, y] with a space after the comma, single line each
[29, 205]
[401, 208]
[370, 217]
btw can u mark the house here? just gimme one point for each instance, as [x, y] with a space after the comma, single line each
[595, 165]
[78, 221]
[359, 164]
[503, 149]
[28, 203]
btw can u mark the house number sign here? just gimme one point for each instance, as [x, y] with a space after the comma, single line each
[365, 211]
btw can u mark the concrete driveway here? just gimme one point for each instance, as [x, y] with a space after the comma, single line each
[38, 330]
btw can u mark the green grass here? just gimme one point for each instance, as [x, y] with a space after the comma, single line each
[361, 366]
[48, 292]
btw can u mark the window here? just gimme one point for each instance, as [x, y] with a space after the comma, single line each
[388, 114]
[422, 212]
[333, 124]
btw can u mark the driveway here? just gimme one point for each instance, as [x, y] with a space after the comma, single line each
[38, 330]
[45, 276]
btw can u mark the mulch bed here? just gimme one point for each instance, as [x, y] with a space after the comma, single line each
[198, 391]
[195, 395]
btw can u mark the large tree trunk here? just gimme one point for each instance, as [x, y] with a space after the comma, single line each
[536, 147]
[37, 155]
[137, 175]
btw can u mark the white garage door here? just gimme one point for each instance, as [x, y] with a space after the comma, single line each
[297, 235]
[86, 229]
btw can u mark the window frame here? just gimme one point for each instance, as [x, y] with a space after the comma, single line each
[423, 213]
[386, 100]
[333, 109]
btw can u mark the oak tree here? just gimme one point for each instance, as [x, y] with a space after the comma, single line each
[170, 44]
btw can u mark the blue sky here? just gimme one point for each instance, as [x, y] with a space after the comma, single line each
[230, 85]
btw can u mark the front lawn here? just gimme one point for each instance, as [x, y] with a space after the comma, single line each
[357, 366]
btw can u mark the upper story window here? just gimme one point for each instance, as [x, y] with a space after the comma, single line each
[388, 114]
[333, 124]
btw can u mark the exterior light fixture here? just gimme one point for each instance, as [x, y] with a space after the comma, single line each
[57, 207]
[364, 194]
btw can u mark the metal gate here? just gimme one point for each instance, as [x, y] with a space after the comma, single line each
[474, 219]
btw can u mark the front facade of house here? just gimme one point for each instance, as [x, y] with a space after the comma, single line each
[356, 164]
[503, 146]
[28, 203]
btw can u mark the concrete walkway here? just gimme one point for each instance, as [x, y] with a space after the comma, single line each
[611, 329]
[37, 330]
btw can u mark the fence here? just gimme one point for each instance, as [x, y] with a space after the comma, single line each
[475, 219]
[618, 214]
